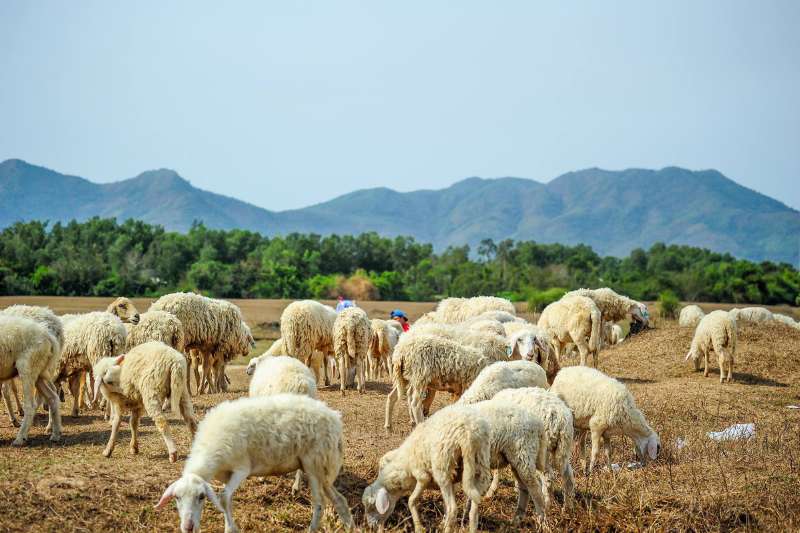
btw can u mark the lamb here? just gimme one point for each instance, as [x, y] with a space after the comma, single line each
[423, 363]
[88, 338]
[30, 351]
[384, 339]
[603, 406]
[351, 340]
[141, 380]
[717, 332]
[614, 307]
[558, 429]
[124, 309]
[690, 316]
[279, 348]
[156, 326]
[455, 310]
[751, 314]
[456, 436]
[573, 319]
[307, 325]
[261, 436]
[503, 375]
[611, 334]
[45, 317]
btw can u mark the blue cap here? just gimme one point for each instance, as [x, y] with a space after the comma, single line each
[397, 313]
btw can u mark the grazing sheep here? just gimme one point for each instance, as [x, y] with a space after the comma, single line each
[307, 326]
[558, 429]
[87, 338]
[140, 381]
[351, 340]
[716, 332]
[503, 375]
[690, 316]
[611, 334]
[422, 363]
[45, 317]
[456, 310]
[262, 436]
[156, 326]
[751, 314]
[278, 348]
[124, 309]
[384, 338]
[576, 320]
[783, 319]
[456, 436]
[603, 406]
[614, 307]
[30, 351]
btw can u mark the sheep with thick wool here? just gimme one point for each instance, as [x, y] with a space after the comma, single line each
[88, 338]
[45, 317]
[456, 310]
[716, 332]
[423, 363]
[156, 326]
[351, 341]
[142, 380]
[576, 320]
[558, 429]
[751, 314]
[124, 309]
[279, 348]
[690, 316]
[604, 407]
[306, 326]
[261, 436]
[455, 439]
[784, 319]
[31, 352]
[485, 326]
[384, 338]
[503, 375]
[614, 307]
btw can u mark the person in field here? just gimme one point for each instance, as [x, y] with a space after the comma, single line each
[401, 317]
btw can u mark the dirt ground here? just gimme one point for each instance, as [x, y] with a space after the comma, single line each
[704, 486]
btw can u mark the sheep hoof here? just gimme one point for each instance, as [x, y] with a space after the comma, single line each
[15, 423]
[173, 456]
[19, 442]
[134, 450]
[55, 438]
[106, 453]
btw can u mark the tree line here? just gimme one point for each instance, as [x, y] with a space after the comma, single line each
[100, 257]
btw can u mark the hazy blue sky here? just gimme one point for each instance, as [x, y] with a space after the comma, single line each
[284, 104]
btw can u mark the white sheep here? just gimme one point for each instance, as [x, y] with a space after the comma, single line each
[784, 319]
[454, 436]
[604, 407]
[87, 338]
[576, 320]
[751, 314]
[716, 332]
[614, 307]
[124, 309]
[503, 375]
[30, 351]
[456, 310]
[262, 436]
[611, 334]
[690, 316]
[156, 326]
[306, 326]
[532, 343]
[558, 428]
[384, 338]
[503, 317]
[279, 348]
[142, 380]
[351, 340]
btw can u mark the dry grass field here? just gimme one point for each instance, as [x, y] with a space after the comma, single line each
[704, 486]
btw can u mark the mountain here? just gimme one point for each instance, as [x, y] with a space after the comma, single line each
[612, 211]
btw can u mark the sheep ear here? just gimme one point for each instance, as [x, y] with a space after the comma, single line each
[119, 360]
[212, 497]
[382, 500]
[652, 447]
[167, 496]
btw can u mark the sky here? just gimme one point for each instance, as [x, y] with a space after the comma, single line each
[286, 104]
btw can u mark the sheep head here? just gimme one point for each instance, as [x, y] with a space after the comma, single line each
[124, 309]
[190, 493]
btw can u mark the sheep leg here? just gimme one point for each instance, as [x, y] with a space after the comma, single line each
[568, 482]
[226, 498]
[415, 406]
[339, 504]
[316, 501]
[48, 392]
[136, 415]
[196, 369]
[450, 505]
[187, 412]
[412, 505]
[730, 368]
[362, 381]
[74, 389]
[705, 372]
[6, 390]
[13, 385]
[584, 351]
[391, 399]
[298, 482]
[607, 450]
[495, 484]
[29, 404]
[116, 417]
[597, 437]
[206, 379]
[430, 395]
[153, 407]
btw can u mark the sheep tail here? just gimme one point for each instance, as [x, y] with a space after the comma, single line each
[594, 338]
[177, 385]
[477, 472]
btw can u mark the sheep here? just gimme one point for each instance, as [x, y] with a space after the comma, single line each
[48, 319]
[141, 380]
[559, 431]
[87, 338]
[279, 348]
[717, 332]
[690, 316]
[424, 363]
[124, 309]
[503, 375]
[603, 406]
[261, 436]
[485, 326]
[456, 436]
[784, 319]
[611, 334]
[574, 319]
[455, 310]
[351, 341]
[156, 326]
[530, 342]
[384, 339]
[30, 351]
[503, 317]
[751, 314]
[306, 326]
[615, 307]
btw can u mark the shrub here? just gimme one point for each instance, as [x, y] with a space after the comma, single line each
[538, 300]
[668, 304]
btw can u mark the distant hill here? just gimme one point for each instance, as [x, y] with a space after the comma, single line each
[612, 211]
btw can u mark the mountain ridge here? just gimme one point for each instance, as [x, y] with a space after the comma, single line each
[612, 211]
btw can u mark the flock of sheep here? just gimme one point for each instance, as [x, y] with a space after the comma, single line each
[515, 406]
